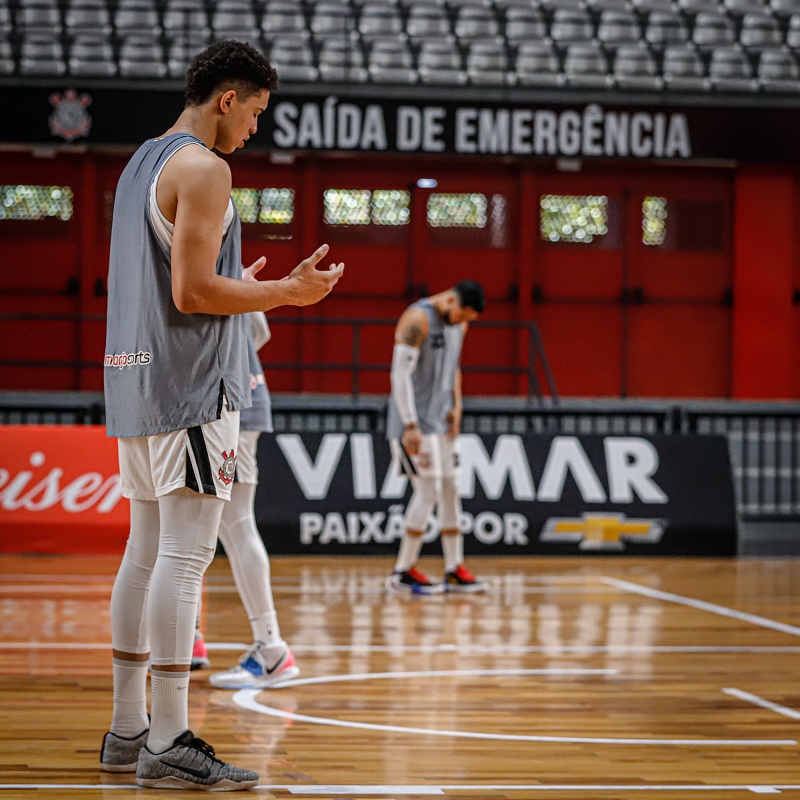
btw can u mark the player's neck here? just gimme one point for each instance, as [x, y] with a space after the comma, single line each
[196, 121]
[441, 302]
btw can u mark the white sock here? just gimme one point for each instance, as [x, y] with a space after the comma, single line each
[170, 709]
[130, 698]
[265, 628]
[410, 547]
[453, 550]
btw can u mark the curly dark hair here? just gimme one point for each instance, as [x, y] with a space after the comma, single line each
[470, 295]
[236, 64]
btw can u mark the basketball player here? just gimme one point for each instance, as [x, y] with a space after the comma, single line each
[174, 386]
[423, 426]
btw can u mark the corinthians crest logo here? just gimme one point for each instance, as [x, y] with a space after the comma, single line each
[228, 468]
[70, 120]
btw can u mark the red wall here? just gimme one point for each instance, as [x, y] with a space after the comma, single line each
[709, 314]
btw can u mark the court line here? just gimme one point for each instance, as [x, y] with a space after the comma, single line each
[760, 701]
[702, 605]
[314, 790]
[246, 698]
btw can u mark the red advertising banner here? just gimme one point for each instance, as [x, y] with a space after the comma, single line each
[59, 490]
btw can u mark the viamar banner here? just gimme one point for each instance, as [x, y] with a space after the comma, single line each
[666, 495]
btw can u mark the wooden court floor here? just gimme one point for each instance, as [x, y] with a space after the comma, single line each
[572, 679]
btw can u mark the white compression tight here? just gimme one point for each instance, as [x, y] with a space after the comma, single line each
[249, 562]
[171, 544]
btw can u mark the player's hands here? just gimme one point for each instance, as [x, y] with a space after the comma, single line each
[411, 439]
[249, 273]
[454, 421]
[312, 284]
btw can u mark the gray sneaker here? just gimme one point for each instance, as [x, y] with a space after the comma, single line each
[190, 764]
[120, 755]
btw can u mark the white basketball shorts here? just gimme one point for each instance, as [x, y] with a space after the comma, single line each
[438, 457]
[246, 463]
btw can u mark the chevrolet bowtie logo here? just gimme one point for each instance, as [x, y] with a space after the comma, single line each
[602, 531]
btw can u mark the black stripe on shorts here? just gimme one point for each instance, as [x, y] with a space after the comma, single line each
[198, 444]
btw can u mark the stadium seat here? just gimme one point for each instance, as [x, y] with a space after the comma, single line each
[332, 19]
[141, 57]
[742, 7]
[379, 20]
[635, 68]
[457, 5]
[5, 21]
[648, 6]
[617, 28]
[342, 61]
[136, 17]
[92, 56]
[487, 63]
[568, 5]
[41, 54]
[683, 70]
[713, 30]
[7, 65]
[760, 32]
[785, 8]
[730, 71]
[778, 71]
[571, 27]
[699, 6]
[185, 17]
[475, 22]
[440, 63]
[607, 5]
[585, 67]
[524, 25]
[293, 59]
[793, 34]
[39, 16]
[537, 65]
[283, 18]
[665, 29]
[231, 18]
[390, 62]
[427, 21]
[87, 17]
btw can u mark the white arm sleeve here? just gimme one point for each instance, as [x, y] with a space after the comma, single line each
[404, 362]
[259, 328]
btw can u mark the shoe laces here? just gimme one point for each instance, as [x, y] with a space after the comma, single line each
[203, 746]
[464, 574]
[418, 576]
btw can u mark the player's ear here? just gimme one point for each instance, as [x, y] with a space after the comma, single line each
[226, 101]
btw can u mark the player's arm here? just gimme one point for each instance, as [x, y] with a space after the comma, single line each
[202, 187]
[456, 412]
[411, 332]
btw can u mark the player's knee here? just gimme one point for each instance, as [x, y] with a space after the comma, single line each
[421, 504]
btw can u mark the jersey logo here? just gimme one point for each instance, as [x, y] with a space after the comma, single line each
[607, 532]
[437, 341]
[228, 468]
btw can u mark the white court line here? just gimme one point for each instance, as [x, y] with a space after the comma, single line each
[713, 608]
[760, 701]
[314, 790]
[246, 698]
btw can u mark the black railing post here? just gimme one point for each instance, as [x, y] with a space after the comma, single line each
[356, 371]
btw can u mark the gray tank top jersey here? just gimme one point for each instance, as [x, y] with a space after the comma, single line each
[259, 416]
[164, 370]
[434, 377]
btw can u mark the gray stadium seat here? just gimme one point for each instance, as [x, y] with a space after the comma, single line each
[617, 28]
[665, 29]
[571, 27]
[342, 61]
[92, 56]
[457, 5]
[179, 55]
[635, 69]
[699, 6]
[184, 17]
[332, 18]
[585, 67]
[41, 54]
[742, 7]
[293, 59]
[793, 33]
[282, 19]
[141, 57]
[537, 65]
[39, 16]
[87, 17]
[683, 70]
[778, 71]
[730, 71]
[390, 62]
[379, 20]
[524, 25]
[607, 5]
[487, 63]
[136, 17]
[785, 8]
[648, 6]
[569, 5]
[760, 32]
[427, 22]
[5, 21]
[7, 65]
[713, 30]
[439, 62]
[230, 17]
[476, 22]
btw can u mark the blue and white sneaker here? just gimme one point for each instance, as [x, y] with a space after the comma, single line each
[261, 667]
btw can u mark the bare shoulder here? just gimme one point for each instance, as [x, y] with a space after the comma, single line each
[412, 327]
[198, 167]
